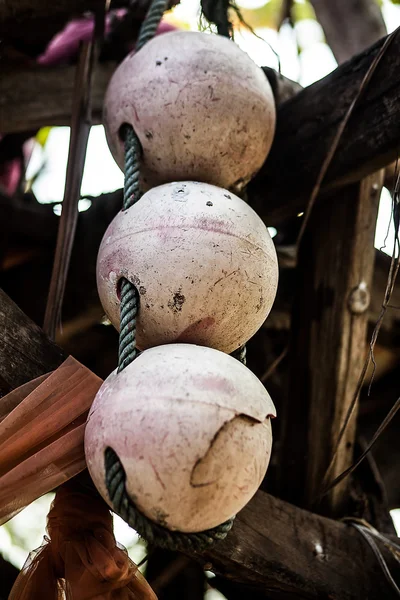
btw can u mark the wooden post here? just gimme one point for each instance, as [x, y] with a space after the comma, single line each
[329, 326]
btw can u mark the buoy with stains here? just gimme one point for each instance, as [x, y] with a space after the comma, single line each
[202, 109]
[192, 429]
[202, 261]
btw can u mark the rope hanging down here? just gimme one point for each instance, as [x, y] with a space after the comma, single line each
[115, 473]
[149, 530]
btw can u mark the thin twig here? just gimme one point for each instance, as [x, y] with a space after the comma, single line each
[80, 129]
[271, 369]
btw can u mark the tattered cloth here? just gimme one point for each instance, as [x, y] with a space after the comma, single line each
[42, 427]
[80, 560]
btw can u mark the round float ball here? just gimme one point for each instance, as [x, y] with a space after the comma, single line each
[202, 110]
[203, 263]
[191, 427]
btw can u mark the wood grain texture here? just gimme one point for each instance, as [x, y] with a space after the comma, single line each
[343, 245]
[285, 552]
[25, 351]
[35, 97]
[307, 124]
[329, 326]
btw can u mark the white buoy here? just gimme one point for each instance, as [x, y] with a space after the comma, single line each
[202, 109]
[202, 261]
[192, 429]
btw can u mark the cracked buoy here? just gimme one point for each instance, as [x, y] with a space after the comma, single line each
[192, 429]
[201, 108]
[203, 263]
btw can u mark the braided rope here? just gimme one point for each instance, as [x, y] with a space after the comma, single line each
[129, 294]
[128, 314]
[151, 531]
[115, 472]
[151, 22]
[132, 193]
[133, 151]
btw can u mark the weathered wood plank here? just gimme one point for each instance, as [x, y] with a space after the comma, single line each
[329, 327]
[350, 26]
[286, 552]
[307, 124]
[25, 351]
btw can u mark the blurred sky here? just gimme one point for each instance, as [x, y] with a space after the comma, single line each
[314, 61]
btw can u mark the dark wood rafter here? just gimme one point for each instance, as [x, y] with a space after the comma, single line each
[307, 124]
[275, 548]
[329, 332]
[51, 102]
[292, 553]
[25, 351]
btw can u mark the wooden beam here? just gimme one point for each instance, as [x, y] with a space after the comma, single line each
[25, 351]
[307, 124]
[286, 552]
[329, 325]
[33, 98]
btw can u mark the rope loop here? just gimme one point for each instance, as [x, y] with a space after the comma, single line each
[151, 531]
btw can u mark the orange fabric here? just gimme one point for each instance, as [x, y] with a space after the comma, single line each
[80, 559]
[41, 439]
[14, 398]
